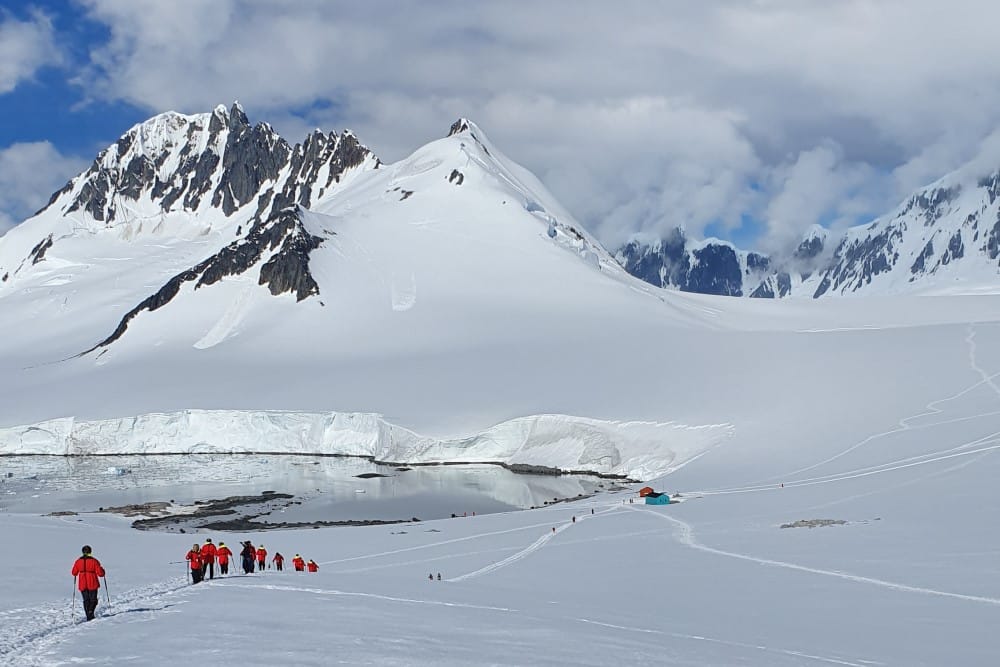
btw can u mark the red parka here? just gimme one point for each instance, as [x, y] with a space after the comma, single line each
[298, 563]
[278, 559]
[87, 571]
[261, 555]
[208, 552]
[223, 553]
[313, 567]
[195, 558]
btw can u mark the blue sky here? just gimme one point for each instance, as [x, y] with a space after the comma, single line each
[747, 121]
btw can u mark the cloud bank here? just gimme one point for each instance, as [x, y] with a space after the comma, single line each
[639, 116]
[25, 46]
[29, 173]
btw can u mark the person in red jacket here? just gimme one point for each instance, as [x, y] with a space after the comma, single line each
[312, 566]
[278, 560]
[298, 563]
[261, 557]
[87, 571]
[223, 553]
[208, 552]
[194, 557]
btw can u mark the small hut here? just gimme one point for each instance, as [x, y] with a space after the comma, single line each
[655, 498]
[645, 491]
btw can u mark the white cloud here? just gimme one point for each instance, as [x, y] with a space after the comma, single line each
[819, 186]
[25, 46]
[29, 174]
[638, 115]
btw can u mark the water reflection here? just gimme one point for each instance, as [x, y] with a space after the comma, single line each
[326, 487]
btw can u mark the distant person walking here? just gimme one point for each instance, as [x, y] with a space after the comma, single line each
[194, 558]
[247, 554]
[312, 566]
[208, 553]
[87, 571]
[223, 553]
[278, 561]
[261, 557]
[298, 563]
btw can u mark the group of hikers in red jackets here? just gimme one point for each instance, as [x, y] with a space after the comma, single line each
[88, 571]
[202, 560]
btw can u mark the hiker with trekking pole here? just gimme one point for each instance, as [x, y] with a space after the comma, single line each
[194, 558]
[87, 572]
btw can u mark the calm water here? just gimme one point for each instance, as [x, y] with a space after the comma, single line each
[327, 487]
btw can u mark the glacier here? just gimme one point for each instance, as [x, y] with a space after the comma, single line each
[637, 450]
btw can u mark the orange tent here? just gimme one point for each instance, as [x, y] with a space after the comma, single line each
[645, 491]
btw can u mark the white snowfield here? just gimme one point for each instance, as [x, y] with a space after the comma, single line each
[636, 449]
[457, 312]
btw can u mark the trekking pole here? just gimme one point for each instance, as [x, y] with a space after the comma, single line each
[72, 602]
[107, 594]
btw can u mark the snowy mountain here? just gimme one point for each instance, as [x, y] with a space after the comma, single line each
[720, 268]
[219, 268]
[836, 458]
[173, 177]
[944, 237]
[446, 307]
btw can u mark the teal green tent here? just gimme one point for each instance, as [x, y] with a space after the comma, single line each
[658, 499]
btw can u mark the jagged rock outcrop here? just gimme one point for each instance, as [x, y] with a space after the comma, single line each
[947, 234]
[287, 269]
[713, 267]
[174, 162]
[215, 171]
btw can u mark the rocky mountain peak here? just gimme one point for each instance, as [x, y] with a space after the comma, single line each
[459, 126]
[217, 160]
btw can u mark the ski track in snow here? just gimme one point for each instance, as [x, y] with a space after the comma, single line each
[528, 550]
[987, 378]
[434, 544]
[684, 534]
[375, 596]
[461, 605]
[725, 642]
[24, 644]
[930, 410]
[899, 464]
[407, 563]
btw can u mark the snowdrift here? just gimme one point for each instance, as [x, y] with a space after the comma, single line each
[633, 449]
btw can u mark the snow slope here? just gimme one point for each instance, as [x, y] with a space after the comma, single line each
[462, 310]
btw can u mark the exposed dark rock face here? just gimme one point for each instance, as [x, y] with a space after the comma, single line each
[757, 262]
[219, 161]
[716, 271]
[809, 248]
[857, 261]
[250, 163]
[38, 252]
[460, 125]
[992, 246]
[931, 203]
[287, 270]
[944, 222]
[956, 248]
[919, 264]
[712, 269]
[456, 177]
[664, 263]
[778, 285]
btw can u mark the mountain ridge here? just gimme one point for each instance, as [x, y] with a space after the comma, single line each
[944, 237]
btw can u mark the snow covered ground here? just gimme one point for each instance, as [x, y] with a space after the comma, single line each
[910, 579]
[906, 455]
[471, 320]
